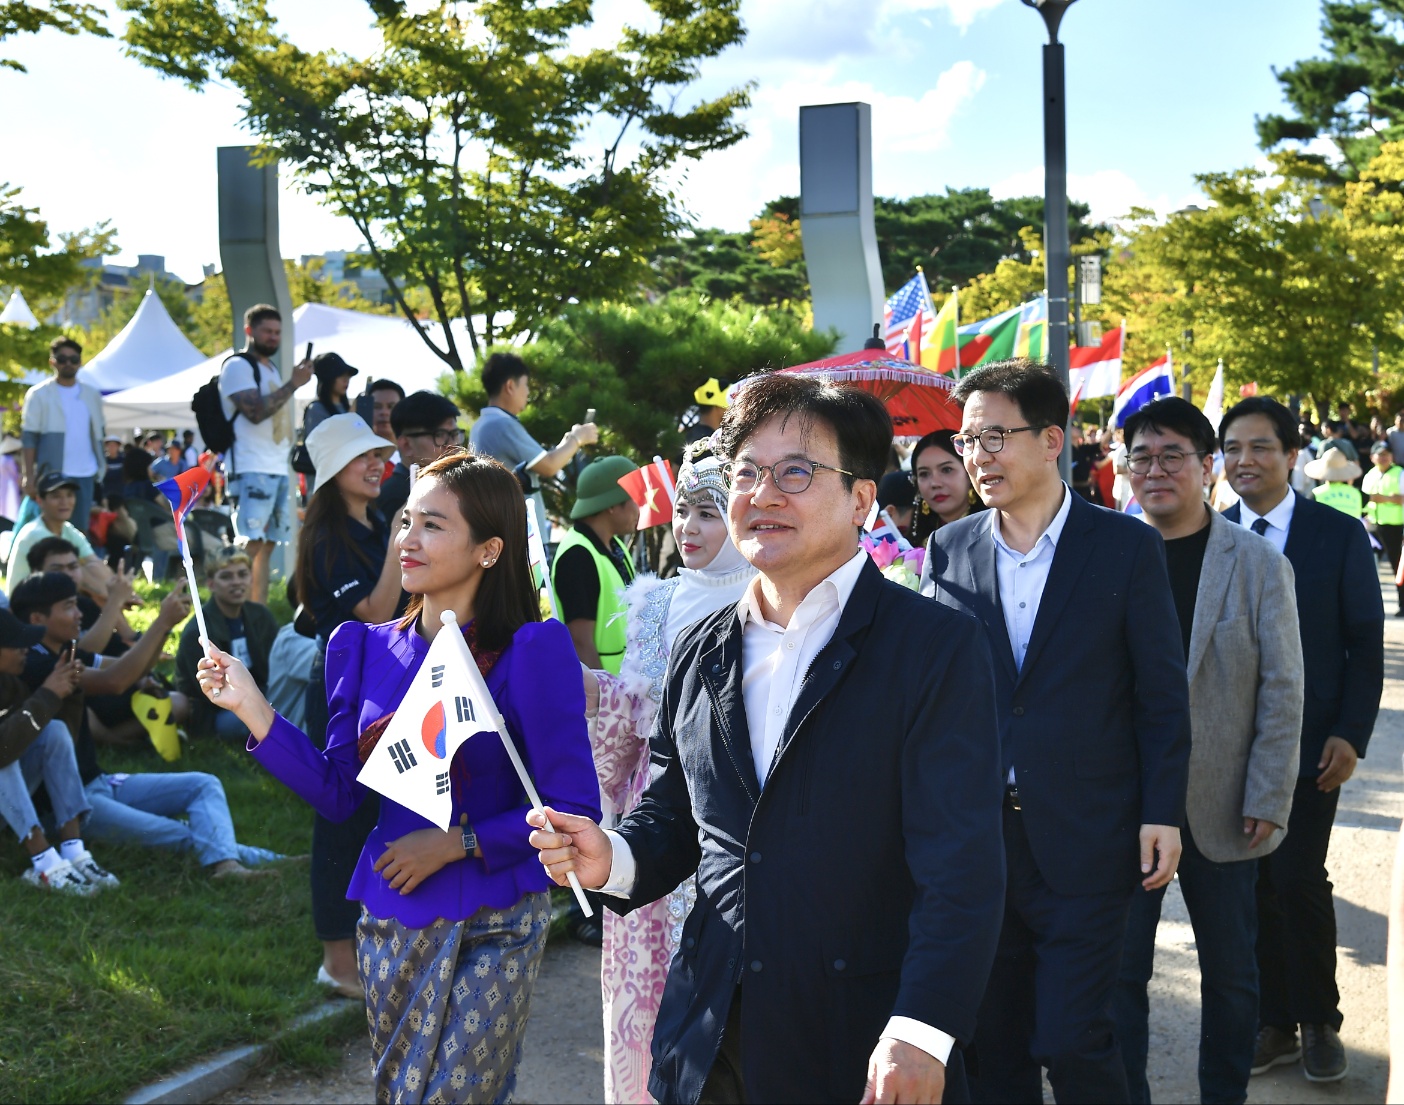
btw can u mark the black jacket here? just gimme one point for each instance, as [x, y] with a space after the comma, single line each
[865, 881]
[1096, 723]
[1342, 619]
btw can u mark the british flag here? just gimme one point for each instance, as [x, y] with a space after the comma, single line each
[909, 318]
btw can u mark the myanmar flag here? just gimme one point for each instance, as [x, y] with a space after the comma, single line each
[940, 352]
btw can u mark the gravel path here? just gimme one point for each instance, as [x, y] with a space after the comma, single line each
[564, 1042]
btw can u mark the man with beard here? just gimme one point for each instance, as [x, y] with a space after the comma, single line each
[257, 403]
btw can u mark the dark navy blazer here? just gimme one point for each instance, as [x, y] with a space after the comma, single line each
[1342, 619]
[865, 881]
[1096, 724]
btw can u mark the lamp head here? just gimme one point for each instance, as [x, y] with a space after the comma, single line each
[1052, 12]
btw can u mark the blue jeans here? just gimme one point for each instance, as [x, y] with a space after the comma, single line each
[48, 760]
[228, 727]
[142, 809]
[1223, 911]
[260, 506]
[83, 506]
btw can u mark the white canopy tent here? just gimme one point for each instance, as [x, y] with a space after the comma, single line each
[17, 311]
[379, 345]
[150, 347]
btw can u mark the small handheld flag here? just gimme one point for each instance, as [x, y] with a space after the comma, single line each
[653, 490]
[183, 492]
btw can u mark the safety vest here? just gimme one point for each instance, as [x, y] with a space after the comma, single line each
[1345, 497]
[1384, 483]
[610, 615]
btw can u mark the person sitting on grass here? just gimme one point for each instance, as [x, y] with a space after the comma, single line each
[57, 496]
[35, 749]
[236, 625]
[140, 808]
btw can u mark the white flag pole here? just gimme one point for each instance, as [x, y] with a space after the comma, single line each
[667, 479]
[450, 621]
[194, 590]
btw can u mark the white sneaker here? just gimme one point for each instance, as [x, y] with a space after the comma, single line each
[99, 877]
[62, 877]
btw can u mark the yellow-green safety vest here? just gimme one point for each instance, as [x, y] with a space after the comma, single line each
[1345, 497]
[1384, 483]
[610, 615]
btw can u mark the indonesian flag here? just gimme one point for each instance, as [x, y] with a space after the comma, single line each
[1094, 371]
[183, 492]
[652, 488]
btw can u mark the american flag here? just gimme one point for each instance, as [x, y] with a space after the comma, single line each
[909, 319]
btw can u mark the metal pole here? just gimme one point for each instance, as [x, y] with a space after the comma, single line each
[1055, 219]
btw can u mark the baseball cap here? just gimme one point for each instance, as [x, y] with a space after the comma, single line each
[52, 481]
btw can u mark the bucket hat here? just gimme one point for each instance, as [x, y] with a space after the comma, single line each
[1334, 467]
[339, 440]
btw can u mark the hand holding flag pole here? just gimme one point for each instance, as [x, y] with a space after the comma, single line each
[183, 492]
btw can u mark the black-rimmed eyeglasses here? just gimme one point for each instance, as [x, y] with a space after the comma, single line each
[1171, 461]
[441, 438]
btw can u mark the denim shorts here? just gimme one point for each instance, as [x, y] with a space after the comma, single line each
[260, 506]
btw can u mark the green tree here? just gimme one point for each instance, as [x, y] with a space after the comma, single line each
[1353, 96]
[638, 364]
[19, 17]
[479, 158]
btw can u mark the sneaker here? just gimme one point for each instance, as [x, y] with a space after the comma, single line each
[100, 877]
[61, 877]
[1323, 1054]
[1274, 1047]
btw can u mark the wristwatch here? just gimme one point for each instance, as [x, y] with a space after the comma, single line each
[470, 841]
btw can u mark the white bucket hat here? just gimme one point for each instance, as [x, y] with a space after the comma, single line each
[1334, 466]
[339, 440]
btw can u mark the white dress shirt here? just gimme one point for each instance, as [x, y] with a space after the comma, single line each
[1279, 518]
[774, 662]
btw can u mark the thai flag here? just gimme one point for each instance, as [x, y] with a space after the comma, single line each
[184, 492]
[1150, 383]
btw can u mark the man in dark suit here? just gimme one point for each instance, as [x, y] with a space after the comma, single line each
[1342, 627]
[1094, 728]
[825, 761]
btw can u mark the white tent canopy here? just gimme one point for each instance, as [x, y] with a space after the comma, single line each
[17, 311]
[379, 345]
[150, 347]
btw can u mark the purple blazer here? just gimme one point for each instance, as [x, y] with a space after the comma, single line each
[537, 686]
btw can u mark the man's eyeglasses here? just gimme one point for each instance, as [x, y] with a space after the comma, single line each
[67, 358]
[1171, 461]
[441, 437]
[791, 477]
[991, 440]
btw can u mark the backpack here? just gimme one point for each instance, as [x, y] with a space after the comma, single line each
[216, 430]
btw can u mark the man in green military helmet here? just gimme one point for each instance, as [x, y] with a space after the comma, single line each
[592, 565]
[1384, 507]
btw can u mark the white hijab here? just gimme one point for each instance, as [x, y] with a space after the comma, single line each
[701, 591]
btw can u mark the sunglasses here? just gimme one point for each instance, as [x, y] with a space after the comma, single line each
[66, 358]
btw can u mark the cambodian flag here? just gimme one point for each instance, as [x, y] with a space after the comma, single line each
[1150, 383]
[184, 492]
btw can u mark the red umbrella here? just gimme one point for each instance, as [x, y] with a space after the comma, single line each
[918, 399]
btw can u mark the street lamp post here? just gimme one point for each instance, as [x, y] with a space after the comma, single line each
[1055, 196]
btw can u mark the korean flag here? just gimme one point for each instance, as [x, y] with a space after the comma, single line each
[447, 703]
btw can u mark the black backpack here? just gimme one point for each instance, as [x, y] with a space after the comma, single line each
[216, 430]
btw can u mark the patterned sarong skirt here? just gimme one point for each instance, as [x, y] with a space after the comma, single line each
[447, 1005]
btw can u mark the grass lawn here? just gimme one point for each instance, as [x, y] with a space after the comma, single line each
[101, 995]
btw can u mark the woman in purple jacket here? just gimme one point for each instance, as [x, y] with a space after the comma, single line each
[454, 923]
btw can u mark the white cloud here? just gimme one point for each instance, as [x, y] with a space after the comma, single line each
[962, 12]
[1110, 193]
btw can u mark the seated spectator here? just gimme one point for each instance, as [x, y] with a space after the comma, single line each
[245, 629]
[141, 808]
[425, 427]
[105, 628]
[57, 496]
[35, 749]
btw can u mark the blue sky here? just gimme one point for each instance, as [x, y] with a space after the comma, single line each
[1157, 91]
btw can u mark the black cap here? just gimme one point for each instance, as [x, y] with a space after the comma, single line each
[896, 489]
[52, 481]
[328, 366]
[15, 634]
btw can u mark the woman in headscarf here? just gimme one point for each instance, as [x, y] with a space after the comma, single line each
[638, 947]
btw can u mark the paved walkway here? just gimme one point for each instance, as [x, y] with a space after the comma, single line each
[564, 1052]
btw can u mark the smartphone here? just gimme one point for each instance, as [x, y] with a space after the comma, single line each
[590, 415]
[307, 356]
[72, 650]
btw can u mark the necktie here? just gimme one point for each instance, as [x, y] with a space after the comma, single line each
[1259, 526]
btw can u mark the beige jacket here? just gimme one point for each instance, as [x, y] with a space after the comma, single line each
[1245, 679]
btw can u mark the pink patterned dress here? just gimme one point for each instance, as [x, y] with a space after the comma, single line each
[638, 947]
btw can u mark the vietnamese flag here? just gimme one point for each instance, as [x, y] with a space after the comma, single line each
[650, 487]
[184, 492]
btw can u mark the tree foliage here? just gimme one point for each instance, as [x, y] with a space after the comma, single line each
[18, 17]
[1354, 96]
[479, 158]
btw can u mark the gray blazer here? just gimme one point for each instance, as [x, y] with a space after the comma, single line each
[1245, 680]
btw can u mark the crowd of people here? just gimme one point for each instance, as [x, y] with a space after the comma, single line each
[844, 838]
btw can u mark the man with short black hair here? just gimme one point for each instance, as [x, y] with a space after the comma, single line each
[498, 433]
[62, 428]
[765, 742]
[1341, 616]
[425, 425]
[1237, 620]
[384, 394]
[1093, 731]
[57, 496]
[257, 400]
[105, 628]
